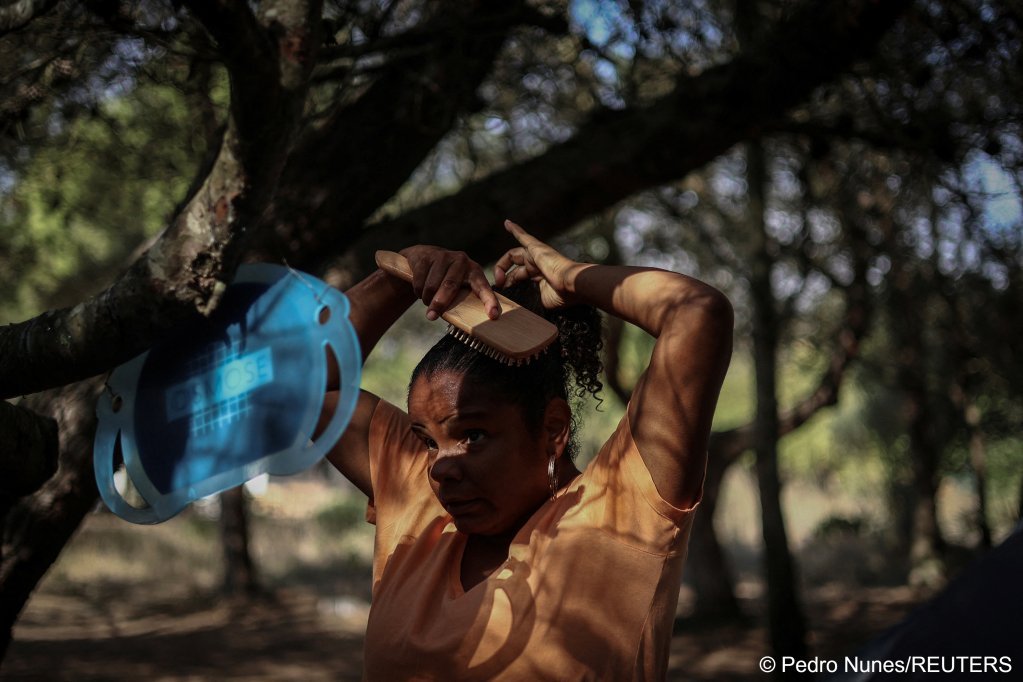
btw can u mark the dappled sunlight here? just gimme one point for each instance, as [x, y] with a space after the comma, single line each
[126, 601]
[849, 175]
[298, 636]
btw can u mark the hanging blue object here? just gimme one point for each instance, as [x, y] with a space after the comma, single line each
[240, 396]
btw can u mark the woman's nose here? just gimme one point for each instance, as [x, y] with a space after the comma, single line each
[446, 466]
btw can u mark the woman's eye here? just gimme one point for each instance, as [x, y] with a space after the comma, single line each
[430, 443]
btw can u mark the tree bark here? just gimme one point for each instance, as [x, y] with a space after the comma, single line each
[962, 391]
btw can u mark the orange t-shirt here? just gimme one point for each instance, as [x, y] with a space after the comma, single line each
[588, 591]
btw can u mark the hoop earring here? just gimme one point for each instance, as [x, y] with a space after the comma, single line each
[552, 475]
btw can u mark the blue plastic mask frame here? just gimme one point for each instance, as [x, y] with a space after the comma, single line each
[241, 396]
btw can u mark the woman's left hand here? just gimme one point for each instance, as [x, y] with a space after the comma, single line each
[540, 262]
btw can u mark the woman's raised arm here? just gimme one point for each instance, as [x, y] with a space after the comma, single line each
[673, 402]
[376, 304]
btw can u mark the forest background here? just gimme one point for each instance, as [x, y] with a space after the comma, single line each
[848, 173]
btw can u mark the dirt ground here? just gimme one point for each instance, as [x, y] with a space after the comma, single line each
[298, 635]
[127, 602]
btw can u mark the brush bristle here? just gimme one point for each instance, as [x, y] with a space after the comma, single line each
[490, 351]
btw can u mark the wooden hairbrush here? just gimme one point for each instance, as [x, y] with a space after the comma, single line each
[514, 338]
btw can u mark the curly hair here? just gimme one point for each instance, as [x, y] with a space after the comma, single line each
[568, 369]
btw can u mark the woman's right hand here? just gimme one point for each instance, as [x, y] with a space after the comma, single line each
[439, 274]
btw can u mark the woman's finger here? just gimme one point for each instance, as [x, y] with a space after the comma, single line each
[521, 236]
[438, 275]
[443, 282]
[542, 256]
[507, 263]
[518, 275]
[481, 287]
[515, 266]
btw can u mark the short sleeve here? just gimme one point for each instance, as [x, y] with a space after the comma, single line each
[392, 457]
[617, 485]
[402, 502]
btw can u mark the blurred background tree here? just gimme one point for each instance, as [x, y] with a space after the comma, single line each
[848, 172]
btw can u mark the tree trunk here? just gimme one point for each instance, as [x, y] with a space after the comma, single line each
[962, 396]
[978, 462]
[784, 611]
[709, 573]
[28, 454]
[36, 528]
[1019, 507]
[240, 577]
[927, 547]
[707, 567]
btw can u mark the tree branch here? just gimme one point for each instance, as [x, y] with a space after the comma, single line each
[182, 276]
[428, 37]
[22, 12]
[38, 526]
[267, 65]
[608, 160]
[728, 445]
[384, 135]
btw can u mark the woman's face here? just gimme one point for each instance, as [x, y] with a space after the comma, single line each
[487, 467]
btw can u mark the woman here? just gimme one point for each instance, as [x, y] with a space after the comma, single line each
[495, 557]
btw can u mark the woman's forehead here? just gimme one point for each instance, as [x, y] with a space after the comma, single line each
[444, 395]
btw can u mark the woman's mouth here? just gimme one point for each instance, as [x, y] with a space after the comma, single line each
[462, 507]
